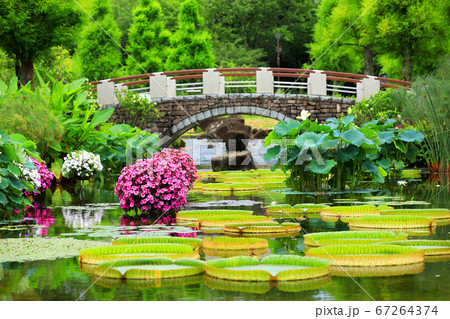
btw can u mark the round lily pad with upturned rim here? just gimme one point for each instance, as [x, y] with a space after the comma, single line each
[149, 268]
[368, 255]
[271, 268]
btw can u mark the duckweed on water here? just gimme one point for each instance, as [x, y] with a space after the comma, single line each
[31, 249]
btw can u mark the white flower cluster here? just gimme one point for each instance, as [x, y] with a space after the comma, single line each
[31, 175]
[81, 164]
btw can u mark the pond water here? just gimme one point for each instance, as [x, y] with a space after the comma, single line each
[95, 215]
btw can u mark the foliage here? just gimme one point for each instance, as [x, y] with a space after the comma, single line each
[138, 110]
[395, 38]
[379, 106]
[150, 268]
[347, 54]
[394, 221]
[230, 243]
[411, 33]
[149, 45]
[81, 165]
[98, 56]
[262, 227]
[123, 15]
[274, 267]
[28, 114]
[28, 29]
[194, 242]
[106, 253]
[192, 47]
[351, 237]
[14, 149]
[243, 32]
[158, 184]
[118, 144]
[339, 152]
[38, 248]
[428, 108]
[368, 255]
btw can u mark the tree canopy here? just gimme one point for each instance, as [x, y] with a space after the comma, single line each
[191, 43]
[29, 28]
[149, 40]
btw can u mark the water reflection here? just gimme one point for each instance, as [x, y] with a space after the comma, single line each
[82, 217]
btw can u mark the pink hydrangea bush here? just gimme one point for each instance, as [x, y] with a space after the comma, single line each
[46, 176]
[159, 184]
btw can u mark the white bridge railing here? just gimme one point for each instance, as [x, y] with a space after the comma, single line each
[246, 80]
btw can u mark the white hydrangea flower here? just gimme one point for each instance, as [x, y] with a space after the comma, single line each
[82, 164]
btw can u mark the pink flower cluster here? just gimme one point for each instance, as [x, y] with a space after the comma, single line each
[159, 184]
[41, 215]
[46, 176]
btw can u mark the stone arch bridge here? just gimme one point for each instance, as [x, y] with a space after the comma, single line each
[189, 97]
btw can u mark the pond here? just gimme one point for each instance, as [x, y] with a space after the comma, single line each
[94, 214]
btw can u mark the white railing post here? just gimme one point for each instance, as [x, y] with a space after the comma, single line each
[161, 86]
[212, 83]
[105, 93]
[369, 86]
[317, 83]
[264, 81]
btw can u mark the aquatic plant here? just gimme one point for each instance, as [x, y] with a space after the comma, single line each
[149, 268]
[117, 252]
[159, 184]
[164, 282]
[193, 242]
[271, 268]
[351, 238]
[216, 187]
[81, 165]
[221, 221]
[262, 227]
[429, 247]
[410, 173]
[378, 271]
[388, 221]
[38, 248]
[244, 187]
[228, 243]
[339, 153]
[368, 255]
[194, 215]
[437, 213]
[262, 287]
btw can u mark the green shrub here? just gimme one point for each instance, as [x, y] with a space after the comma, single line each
[29, 115]
[380, 106]
[13, 149]
[138, 110]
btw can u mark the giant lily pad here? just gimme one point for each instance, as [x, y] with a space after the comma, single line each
[271, 268]
[149, 268]
[351, 237]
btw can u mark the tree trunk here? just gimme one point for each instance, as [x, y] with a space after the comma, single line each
[368, 60]
[407, 67]
[26, 70]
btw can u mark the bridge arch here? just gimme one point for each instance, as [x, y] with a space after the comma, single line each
[191, 121]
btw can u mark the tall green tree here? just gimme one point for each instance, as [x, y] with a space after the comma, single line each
[354, 51]
[97, 55]
[123, 15]
[250, 26]
[29, 28]
[413, 32]
[149, 40]
[191, 46]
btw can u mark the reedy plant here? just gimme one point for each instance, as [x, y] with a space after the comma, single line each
[427, 107]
